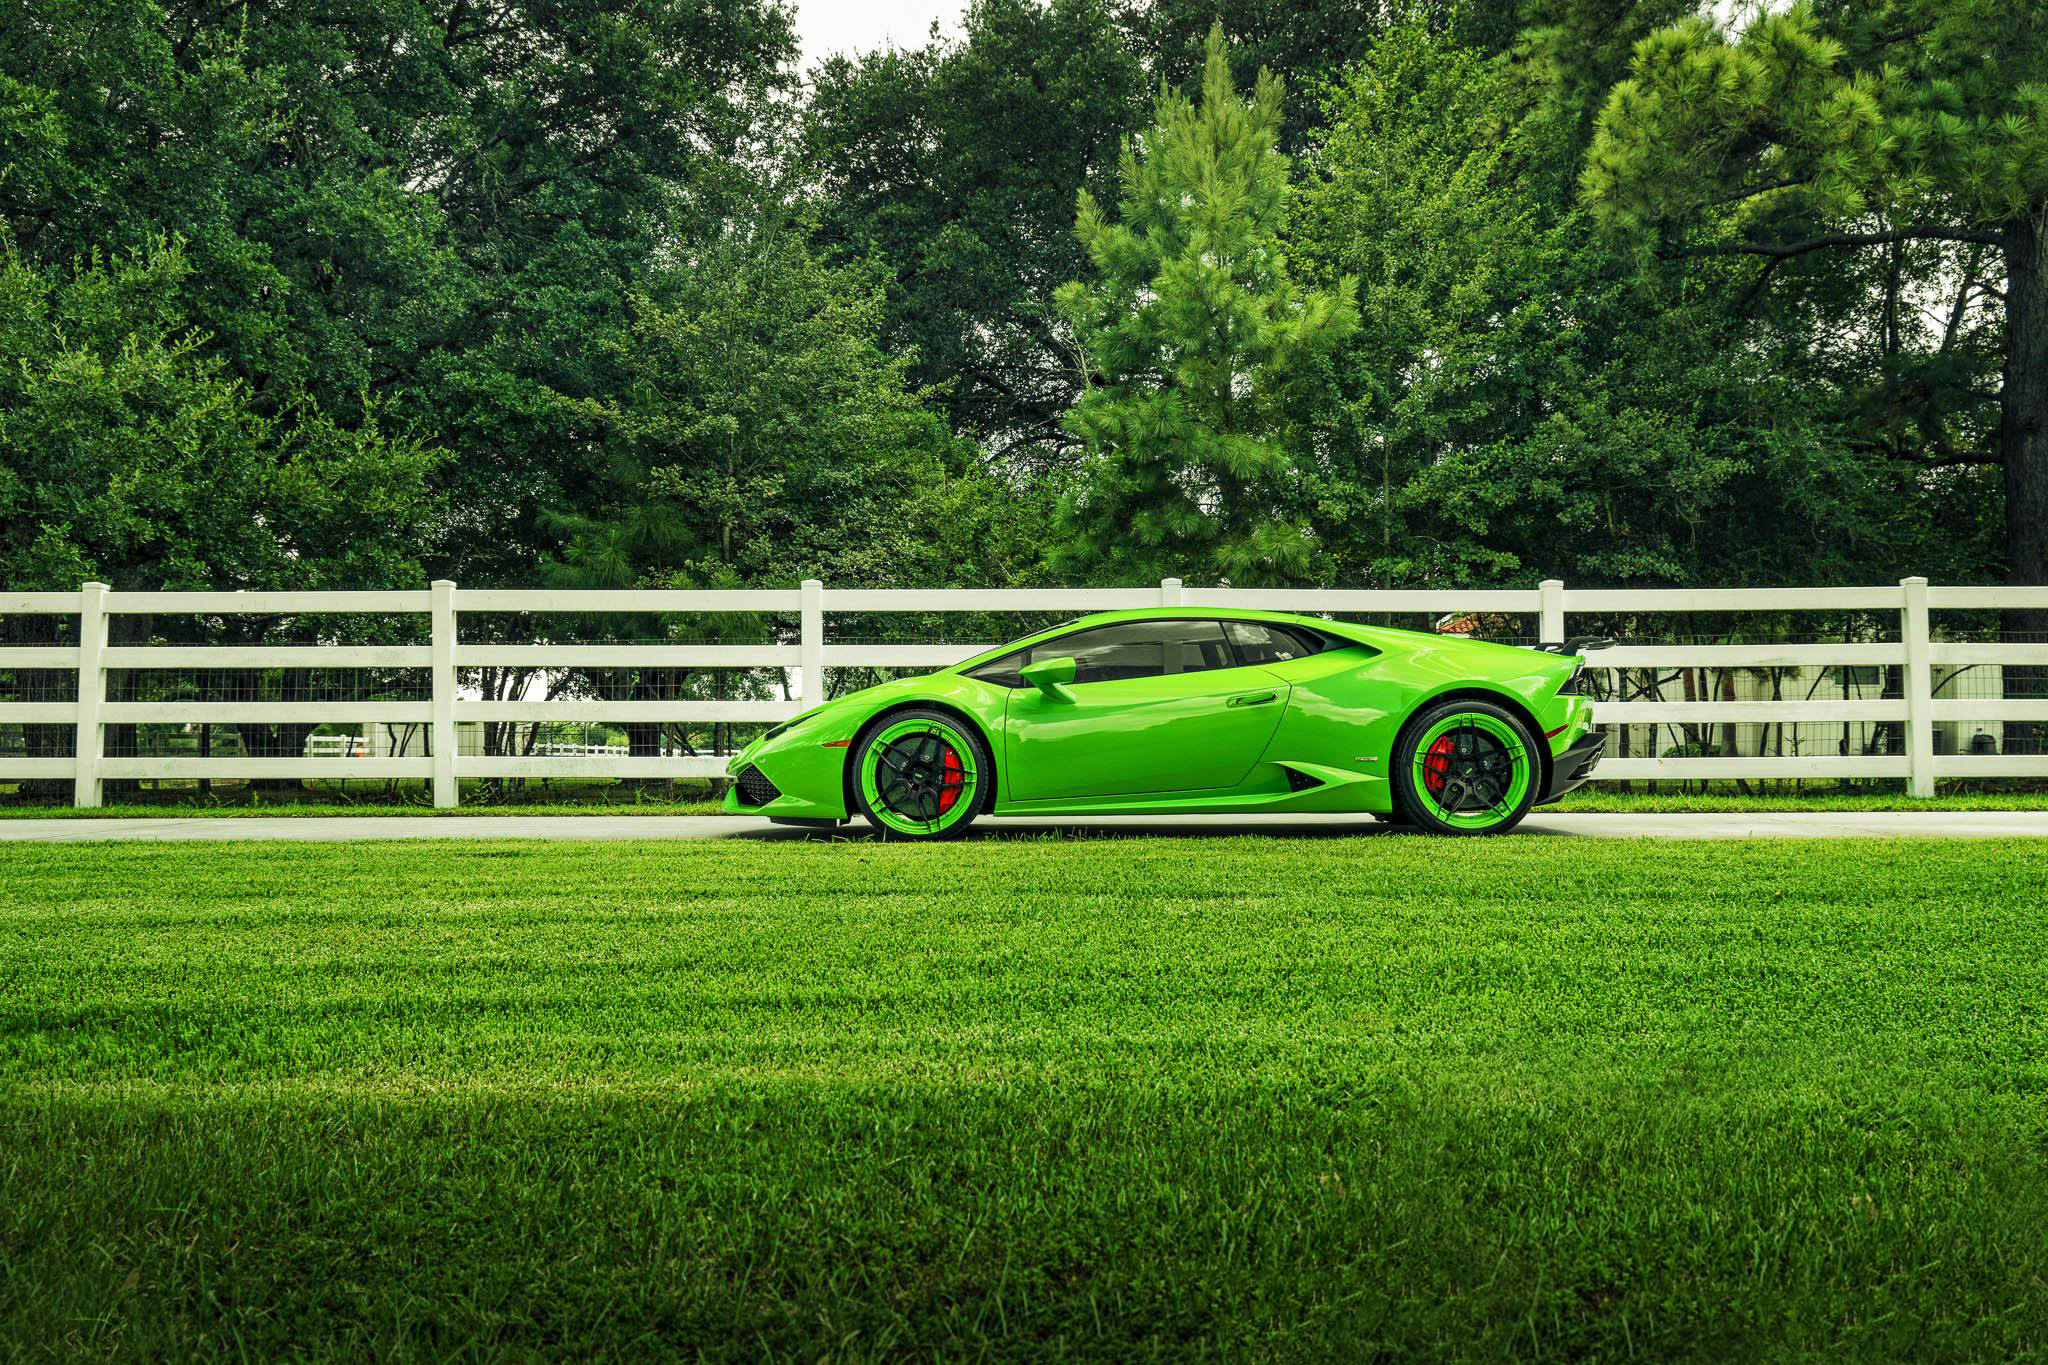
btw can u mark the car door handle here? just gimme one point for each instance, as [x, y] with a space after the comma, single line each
[1254, 698]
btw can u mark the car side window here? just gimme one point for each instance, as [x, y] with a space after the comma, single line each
[1141, 649]
[1260, 643]
[1127, 649]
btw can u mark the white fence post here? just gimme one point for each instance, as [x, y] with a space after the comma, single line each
[1919, 687]
[441, 736]
[811, 641]
[92, 693]
[1169, 592]
[1551, 594]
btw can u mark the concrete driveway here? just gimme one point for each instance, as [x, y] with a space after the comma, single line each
[1792, 825]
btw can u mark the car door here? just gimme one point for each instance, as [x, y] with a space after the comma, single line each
[1156, 706]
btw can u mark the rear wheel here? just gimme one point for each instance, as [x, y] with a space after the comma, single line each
[1466, 767]
[922, 775]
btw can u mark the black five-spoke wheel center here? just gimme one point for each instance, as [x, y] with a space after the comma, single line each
[920, 776]
[1467, 770]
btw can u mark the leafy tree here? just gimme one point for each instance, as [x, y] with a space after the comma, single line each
[589, 140]
[1305, 46]
[424, 209]
[1518, 402]
[1572, 52]
[1853, 128]
[1199, 346]
[955, 166]
[130, 454]
[762, 433]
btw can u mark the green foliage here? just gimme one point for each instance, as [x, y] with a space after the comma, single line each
[1523, 400]
[417, 213]
[1304, 45]
[131, 455]
[1613, 345]
[1781, 124]
[955, 167]
[1920, 127]
[1200, 349]
[758, 432]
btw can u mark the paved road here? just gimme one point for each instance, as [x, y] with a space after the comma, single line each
[1798, 825]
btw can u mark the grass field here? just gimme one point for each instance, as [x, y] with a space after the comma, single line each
[1114, 1098]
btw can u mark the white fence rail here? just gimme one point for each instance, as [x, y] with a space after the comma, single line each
[1917, 654]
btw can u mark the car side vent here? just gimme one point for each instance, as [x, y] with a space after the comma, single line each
[1300, 781]
[755, 788]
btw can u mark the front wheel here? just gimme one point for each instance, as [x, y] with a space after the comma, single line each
[1466, 767]
[922, 775]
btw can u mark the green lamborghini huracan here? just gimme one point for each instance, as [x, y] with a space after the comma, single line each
[1179, 711]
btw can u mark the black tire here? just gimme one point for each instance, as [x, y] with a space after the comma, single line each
[1484, 789]
[916, 808]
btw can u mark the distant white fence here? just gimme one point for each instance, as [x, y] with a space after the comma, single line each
[1917, 654]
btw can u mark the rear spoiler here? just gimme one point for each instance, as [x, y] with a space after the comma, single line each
[1576, 645]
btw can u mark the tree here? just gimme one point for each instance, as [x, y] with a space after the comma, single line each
[1880, 127]
[761, 432]
[425, 209]
[1199, 348]
[954, 166]
[130, 454]
[1306, 46]
[1518, 402]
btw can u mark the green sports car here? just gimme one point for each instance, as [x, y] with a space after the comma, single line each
[1179, 711]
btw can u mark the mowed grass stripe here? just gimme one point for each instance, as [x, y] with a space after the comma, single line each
[1121, 1097]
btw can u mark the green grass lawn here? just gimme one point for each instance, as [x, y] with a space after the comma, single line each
[1320, 1098]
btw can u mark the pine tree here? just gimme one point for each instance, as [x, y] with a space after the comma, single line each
[1829, 129]
[1198, 348]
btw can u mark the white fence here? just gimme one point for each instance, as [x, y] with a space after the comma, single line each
[1917, 654]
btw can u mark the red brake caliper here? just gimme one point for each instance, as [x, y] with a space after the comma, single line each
[954, 780]
[1436, 765]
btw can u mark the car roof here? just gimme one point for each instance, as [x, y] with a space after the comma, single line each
[1341, 630]
[1191, 612]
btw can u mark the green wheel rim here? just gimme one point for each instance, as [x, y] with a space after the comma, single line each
[1471, 770]
[919, 776]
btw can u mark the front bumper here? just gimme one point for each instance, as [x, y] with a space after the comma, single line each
[1573, 765]
[789, 777]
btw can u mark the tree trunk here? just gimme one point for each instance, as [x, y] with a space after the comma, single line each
[2023, 445]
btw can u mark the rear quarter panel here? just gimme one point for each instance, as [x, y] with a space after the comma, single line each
[1349, 704]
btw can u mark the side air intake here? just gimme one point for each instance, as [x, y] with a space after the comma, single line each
[755, 788]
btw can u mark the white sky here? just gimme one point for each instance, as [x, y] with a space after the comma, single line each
[854, 26]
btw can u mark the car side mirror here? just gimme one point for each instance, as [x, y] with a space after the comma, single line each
[1050, 676]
